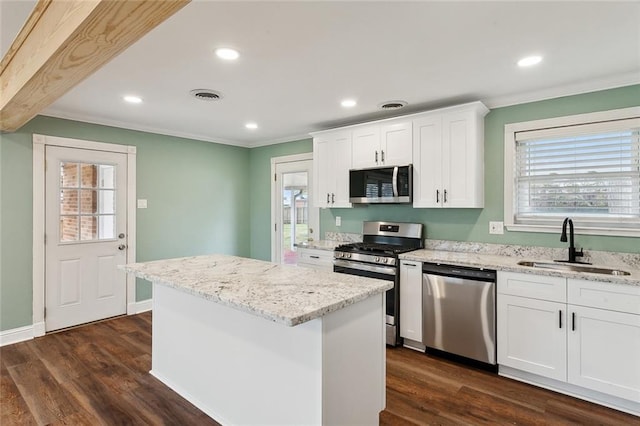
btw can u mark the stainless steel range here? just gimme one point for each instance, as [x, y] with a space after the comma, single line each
[377, 257]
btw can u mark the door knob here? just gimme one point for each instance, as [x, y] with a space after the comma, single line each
[122, 247]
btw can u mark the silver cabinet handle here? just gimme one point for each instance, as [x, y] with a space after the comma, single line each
[328, 200]
[376, 157]
[315, 257]
[410, 264]
[560, 318]
[122, 247]
[437, 196]
[382, 155]
[444, 200]
[333, 198]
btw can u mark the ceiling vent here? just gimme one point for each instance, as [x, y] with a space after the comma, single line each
[206, 95]
[387, 106]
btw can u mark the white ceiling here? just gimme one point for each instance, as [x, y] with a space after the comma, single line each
[300, 59]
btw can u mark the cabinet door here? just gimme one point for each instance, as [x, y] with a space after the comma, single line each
[532, 336]
[323, 179]
[411, 300]
[396, 144]
[604, 351]
[463, 161]
[366, 147]
[427, 170]
[340, 170]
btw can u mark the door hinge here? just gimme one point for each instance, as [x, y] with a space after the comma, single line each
[45, 313]
[275, 227]
[45, 238]
[275, 177]
[45, 165]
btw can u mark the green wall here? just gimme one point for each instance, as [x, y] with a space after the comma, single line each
[260, 204]
[197, 192]
[473, 224]
[205, 198]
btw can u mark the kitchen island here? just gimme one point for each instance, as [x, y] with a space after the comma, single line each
[252, 342]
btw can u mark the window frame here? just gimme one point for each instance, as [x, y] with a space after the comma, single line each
[510, 131]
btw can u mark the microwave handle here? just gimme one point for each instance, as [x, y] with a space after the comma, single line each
[395, 181]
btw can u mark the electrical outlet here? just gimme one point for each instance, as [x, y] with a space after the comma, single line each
[142, 204]
[338, 221]
[496, 228]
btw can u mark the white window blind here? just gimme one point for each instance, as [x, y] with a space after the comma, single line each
[590, 172]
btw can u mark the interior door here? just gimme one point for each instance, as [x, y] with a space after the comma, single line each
[296, 219]
[85, 228]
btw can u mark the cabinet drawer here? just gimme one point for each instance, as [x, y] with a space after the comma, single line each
[613, 297]
[534, 286]
[315, 258]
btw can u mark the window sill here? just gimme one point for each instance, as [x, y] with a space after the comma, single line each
[549, 229]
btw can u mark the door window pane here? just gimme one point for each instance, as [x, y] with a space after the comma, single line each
[89, 175]
[87, 202]
[69, 175]
[69, 201]
[295, 214]
[107, 202]
[68, 228]
[88, 228]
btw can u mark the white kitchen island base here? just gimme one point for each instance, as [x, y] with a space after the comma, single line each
[241, 369]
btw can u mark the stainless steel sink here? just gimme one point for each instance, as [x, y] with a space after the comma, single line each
[572, 267]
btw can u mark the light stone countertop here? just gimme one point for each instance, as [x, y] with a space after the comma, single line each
[510, 264]
[327, 245]
[285, 294]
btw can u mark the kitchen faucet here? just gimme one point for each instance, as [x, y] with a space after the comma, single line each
[572, 249]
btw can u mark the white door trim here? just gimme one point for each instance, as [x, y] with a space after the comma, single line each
[274, 188]
[39, 144]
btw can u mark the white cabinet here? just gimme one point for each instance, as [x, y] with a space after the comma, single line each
[384, 144]
[411, 300]
[604, 344]
[448, 157]
[532, 324]
[315, 258]
[331, 163]
[582, 333]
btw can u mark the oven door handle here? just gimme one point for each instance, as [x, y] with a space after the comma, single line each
[395, 181]
[387, 270]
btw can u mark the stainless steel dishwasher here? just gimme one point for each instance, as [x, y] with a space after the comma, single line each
[459, 311]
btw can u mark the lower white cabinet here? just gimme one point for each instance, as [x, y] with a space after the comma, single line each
[315, 258]
[532, 336]
[411, 300]
[591, 341]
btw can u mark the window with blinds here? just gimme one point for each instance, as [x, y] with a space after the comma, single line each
[590, 172]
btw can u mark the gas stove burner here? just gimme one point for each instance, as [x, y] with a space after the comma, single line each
[376, 248]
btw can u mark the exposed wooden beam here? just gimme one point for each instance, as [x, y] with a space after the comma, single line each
[65, 41]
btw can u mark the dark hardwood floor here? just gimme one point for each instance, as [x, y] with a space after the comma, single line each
[99, 374]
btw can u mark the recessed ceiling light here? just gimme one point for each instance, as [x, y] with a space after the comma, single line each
[348, 103]
[133, 99]
[251, 126]
[227, 54]
[529, 61]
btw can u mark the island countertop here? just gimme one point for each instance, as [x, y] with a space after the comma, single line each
[285, 294]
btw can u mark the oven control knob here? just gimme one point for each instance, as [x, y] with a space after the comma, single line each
[338, 254]
[348, 255]
[385, 260]
[376, 259]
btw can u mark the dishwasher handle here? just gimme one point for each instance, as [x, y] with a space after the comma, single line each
[478, 274]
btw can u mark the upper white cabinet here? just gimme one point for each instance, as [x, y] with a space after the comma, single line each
[331, 164]
[384, 144]
[448, 157]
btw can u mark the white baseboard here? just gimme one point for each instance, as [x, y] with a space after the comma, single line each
[139, 307]
[16, 335]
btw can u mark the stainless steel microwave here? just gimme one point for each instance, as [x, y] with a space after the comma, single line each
[389, 185]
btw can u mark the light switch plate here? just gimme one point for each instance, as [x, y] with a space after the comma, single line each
[496, 228]
[142, 204]
[338, 220]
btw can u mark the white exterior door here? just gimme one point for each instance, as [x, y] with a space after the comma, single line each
[85, 228]
[295, 220]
